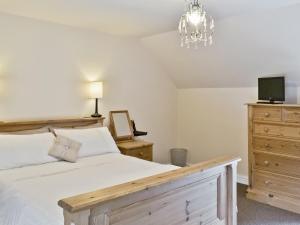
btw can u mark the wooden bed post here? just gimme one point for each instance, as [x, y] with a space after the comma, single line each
[80, 218]
[232, 194]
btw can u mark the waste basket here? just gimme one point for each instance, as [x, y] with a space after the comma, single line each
[178, 156]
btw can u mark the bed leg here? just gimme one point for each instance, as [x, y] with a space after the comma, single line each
[79, 218]
[231, 194]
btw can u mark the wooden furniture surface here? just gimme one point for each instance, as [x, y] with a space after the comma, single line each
[34, 126]
[137, 148]
[274, 155]
[204, 193]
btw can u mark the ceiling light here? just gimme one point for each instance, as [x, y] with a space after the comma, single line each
[195, 26]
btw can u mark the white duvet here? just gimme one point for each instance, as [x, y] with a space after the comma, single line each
[29, 195]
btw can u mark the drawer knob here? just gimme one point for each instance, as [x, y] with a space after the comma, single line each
[267, 114]
[276, 164]
[271, 195]
[141, 154]
[267, 145]
[266, 129]
[266, 162]
[267, 182]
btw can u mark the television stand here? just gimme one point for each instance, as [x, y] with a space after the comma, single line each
[270, 102]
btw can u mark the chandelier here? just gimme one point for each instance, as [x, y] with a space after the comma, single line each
[195, 26]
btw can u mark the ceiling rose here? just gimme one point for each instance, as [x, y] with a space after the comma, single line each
[195, 26]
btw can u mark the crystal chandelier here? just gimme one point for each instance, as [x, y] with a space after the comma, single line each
[195, 26]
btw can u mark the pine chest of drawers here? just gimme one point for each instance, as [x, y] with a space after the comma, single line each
[274, 155]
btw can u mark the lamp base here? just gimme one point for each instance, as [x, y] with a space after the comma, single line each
[96, 115]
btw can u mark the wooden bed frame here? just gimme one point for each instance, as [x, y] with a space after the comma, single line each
[202, 194]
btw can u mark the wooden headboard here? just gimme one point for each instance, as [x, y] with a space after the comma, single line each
[23, 126]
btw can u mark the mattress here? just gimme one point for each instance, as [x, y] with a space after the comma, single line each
[29, 195]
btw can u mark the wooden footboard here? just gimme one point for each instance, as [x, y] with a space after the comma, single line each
[201, 194]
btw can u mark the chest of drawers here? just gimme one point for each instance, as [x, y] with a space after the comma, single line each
[274, 155]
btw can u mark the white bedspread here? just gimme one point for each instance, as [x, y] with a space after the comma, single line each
[29, 195]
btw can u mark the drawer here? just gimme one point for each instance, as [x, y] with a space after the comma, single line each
[276, 183]
[267, 114]
[277, 130]
[291, 115]
[291, 148]
[275, 199]
[142, 153]
[277, 164]
[267, 129]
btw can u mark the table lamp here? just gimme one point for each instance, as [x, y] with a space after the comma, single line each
[96, 92]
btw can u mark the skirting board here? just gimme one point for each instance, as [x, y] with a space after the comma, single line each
[242, 179]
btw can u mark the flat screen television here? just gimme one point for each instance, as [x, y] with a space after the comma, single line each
[271, 89]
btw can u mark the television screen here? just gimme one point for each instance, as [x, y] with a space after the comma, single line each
[271, 89]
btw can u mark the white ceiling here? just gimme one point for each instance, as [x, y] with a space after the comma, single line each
[246, 47]
[129, 17]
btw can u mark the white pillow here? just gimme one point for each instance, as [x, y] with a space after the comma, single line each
[94, 141]
[24, 150]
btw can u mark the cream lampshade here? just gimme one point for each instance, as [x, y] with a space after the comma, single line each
[96, 92]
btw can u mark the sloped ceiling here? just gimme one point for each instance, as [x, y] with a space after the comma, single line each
[246, 47]
[253, 37]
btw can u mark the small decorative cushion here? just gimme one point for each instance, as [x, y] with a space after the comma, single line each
[65, 148]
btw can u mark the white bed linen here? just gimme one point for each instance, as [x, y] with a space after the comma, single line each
[29, 195]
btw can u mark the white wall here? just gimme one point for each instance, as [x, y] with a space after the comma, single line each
[213, 122]
[44, 68]
[39, 58]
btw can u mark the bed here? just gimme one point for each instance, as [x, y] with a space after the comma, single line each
[113, 189]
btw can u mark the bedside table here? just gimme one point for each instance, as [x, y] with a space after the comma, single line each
[137, 148]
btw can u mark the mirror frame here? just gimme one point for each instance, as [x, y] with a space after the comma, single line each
[113, 127]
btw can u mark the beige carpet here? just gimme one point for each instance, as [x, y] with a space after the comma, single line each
[254, 213]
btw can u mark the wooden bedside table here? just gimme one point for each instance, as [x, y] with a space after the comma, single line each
[137, 148]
